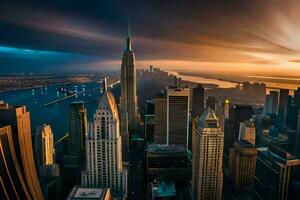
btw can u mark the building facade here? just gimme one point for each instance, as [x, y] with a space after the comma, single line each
[197, 101]
[44, 145]
[242, 164]
[297, 142]
[104, 166]
[274, 172]
[128, 101]
[207, 178]
[18, 119]
[283, 104]
[78, 132]
[166, 162]
[178, 116]
[160, 120]
[211, 102]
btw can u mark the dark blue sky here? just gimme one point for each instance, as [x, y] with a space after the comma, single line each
[197, 35]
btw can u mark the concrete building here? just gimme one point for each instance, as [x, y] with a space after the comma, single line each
[207, 179]
[274, 172]
[247, 131]
[178, 116]
[104, 166]
[242, 164]
[89, 193]
[19, 152]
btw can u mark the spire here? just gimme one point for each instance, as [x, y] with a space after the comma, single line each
[104, 85]
[128, 41]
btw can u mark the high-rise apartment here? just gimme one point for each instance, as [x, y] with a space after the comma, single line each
[207, 179]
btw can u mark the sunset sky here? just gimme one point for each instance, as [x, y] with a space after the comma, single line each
[249, 37]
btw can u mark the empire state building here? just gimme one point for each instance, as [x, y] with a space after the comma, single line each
[128, 99]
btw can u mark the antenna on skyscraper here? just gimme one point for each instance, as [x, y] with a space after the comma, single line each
[128, 40]
[104, 85]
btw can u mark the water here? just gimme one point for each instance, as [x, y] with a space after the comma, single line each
[56, 114]
[198, 79]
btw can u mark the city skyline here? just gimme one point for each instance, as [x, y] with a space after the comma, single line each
[201, 103]
[242, 38]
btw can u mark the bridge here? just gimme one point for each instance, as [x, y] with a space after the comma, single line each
[70, 96]
[62, 139]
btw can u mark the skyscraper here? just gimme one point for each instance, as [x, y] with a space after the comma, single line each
[275, 171]
[297, 97]
[266, 105]
[242, 164]
[226, 108]
[104, 167]
[207, 158]
[78, 132]
[283, 104]
[128, 101]
[297, 142]
[273, 102]
[247, 131]
[197, 101]
[11, 177]
[178, 116]
[19, 120]
[160, 120]
[50, 178]
[211, 102]
[197, 109]
[44, 145]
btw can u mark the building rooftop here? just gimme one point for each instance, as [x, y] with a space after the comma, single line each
[87, 193]
[163, 189]
[164, 148]
[245, 143]
[278, 155]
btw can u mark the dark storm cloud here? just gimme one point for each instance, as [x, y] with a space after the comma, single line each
[192, 33]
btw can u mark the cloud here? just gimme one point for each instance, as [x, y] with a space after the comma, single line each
[229, 36]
